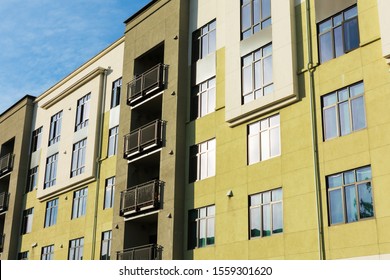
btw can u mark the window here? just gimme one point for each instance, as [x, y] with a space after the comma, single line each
[23, 255]
[76, 247]
[257, 77]
[264, 139]
[116, 93]
[343, 111]
[255, 15]
[109, 193]
[202, 160]
[350, 196]
[82, 112]
[79, 203]
[36, 140]
[32, 179]
[27, 220]
[204, 41]
[339, 34]
[266, 213]
[78, 158]
[47, 253]
[55, 128]
[51, 171]
[51, 212]
[201, 231]
[105, 253]
[113, 141]
[203, 100]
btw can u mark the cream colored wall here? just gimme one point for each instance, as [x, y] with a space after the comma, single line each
[384, 22]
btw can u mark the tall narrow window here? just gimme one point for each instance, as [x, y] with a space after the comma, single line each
[78, 158]
[36, 139]
[51, 212]
[82, 112]
[105, 252]
[27, 220]
[32, 179]
[344, 111]
[116, 92]
[202, 160]
[264, 139]
[255, 15]
[47, 253]
[204, 41]
[51, 171]
[55, 128]
[79, 203]
[113, 141]
[109, 193]
[201, 227]
[203, 100]
[266, 213]
[76, 248]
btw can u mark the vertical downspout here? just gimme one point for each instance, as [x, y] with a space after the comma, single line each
[311, 68]
[98, 162]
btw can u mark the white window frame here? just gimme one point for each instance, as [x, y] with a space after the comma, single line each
[79, 207]
[109, 193]
[78, 158]
[51, 171]
[113, 141]
[82, 112]
[76, 249]
[55, 128]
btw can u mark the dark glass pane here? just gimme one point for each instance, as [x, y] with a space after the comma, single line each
[338, 41]
[363, 174]
[345, 120]
[366, 205]
[351, 35]
[266, 9]
[358, 113]
[326, 47]
[330, 123]
[256, 12]
[351, 204]
[336, 207]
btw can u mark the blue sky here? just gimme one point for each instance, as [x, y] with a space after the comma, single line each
[42, 41]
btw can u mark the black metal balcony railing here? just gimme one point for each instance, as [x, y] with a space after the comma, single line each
[149, 82]
[3, 201]
[140, 198]
[147, 252]
[6, 163]
[143, 138]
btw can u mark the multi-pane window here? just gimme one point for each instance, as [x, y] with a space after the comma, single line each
[343, 111]
[106, 245]
[47, 253]
[32, 179]
[350, 196]
[27, 220]
[338, 34]
[23, 255]
[51, 212]
[201, 227]
[82, 112]
[202, 160]
[79, 203]
[113, 141]
[109, 193]
[255, 15]
[266, 213]
[204, 41]
[203, 100]
[257, 77]
[55, 128]
[264, 139]
[36, 140]
[78, 158]
[51, 171]
[116, 93]
[76, 248]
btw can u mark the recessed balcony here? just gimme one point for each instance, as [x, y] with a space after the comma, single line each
[147, 252]
[3, 201]
[146, 85]
[6, 163]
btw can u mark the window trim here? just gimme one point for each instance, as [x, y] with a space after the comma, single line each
[82, 112]
[78, 158]
[36, 139]
[113, 134]
[196, 225]
[51, 213]
[196, 152]
[109, 184]
[47, 252]
[32, 179]
[106, 243]
[27, 221]
[262, 21]
[79, 204]
[76, 249]
[55, 128]
[203, 88]
[116, 93]
[198, 38]
[51, 171]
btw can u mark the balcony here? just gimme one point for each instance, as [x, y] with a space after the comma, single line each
[147, 252]
[147, 84]
[141, 198]
[3, 201]
[6, 163]
[143, 140]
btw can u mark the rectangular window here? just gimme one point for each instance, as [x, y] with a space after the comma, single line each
[47, 253]
[113, 141]
[27, 220]
[201, 227]
[109, 193]
[255, 15]
[266, 213]
[55, 128]
[343, 111]
[204, 41]
[82, 112]
[105, 252]
[76, 248]
[257, 76]
[79, 203]
[36, 139]
[203, 100]
[78, 158]
[264, 139]
[51, 212]
[51, 171]
[338, 34]
[23, 256]
[350, 196]
[32, 179]
[116, 93]
[202, 160]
